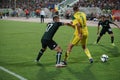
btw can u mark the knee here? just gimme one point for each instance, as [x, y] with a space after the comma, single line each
[58, 49]
[84, 47]
[99, 36]
[43, 49]
[111, 35]
[70, 46]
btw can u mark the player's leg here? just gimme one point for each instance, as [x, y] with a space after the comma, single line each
[112, 36]
[86, 50]
[58, 55]
[67, 53]
[98, 39]
[75, 40]
[100, 35]
[44, 46]
[40, 54]
[53, 46]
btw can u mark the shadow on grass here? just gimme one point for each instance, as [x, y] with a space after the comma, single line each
[109, 49]
[47, 72]
[52, 73]
[85, 74]
[113, 50]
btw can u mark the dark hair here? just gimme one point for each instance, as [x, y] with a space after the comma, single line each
[55, 16]
[75, 8]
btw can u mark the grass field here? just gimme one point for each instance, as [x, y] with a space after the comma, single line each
[20, 44]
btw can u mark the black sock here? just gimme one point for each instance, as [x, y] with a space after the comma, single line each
[58, 57]
[98, 39]
[112, 39]
[40, 54]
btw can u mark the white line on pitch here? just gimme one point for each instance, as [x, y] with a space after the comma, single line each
[12, 73]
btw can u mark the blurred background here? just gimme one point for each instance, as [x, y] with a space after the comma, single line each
[93, 8]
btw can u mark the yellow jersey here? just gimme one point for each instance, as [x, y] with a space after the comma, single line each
[80, 17]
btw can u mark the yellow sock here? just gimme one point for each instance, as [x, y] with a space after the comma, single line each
[66, 56]
[87, 52]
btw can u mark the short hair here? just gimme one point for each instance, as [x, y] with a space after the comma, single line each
[55, 16]
[75, 8]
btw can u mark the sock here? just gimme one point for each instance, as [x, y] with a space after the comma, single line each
[40, 54]
[98, 39]
[87, 52]
[112, 39]
[58, 57]
[66, 56]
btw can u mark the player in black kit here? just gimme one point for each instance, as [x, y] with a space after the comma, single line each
[105, 23]
[47, 40]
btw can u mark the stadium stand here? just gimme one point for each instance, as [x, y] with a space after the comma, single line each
[90, 7]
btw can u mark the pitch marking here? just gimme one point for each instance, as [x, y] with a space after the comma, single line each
[12, 73]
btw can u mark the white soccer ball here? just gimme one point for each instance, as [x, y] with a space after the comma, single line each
[104, 58]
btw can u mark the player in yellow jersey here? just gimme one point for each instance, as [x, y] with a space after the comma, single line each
[80, 34]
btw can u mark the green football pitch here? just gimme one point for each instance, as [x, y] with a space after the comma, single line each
[20, 44]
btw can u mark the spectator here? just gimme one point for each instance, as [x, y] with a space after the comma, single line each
[42, 15]
[27, 13]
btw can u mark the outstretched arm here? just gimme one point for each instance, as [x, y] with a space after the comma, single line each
[69, 24]
[116, 25]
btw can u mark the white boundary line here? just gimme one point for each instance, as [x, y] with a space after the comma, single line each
[12, 73]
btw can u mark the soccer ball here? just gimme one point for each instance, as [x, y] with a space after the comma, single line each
[104, 58]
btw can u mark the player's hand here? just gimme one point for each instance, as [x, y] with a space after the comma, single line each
[71, 22]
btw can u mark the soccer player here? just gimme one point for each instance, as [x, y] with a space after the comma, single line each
[47, 40]
[105, 23]
[80, 34]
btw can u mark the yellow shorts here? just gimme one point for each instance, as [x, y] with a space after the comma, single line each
[76, 40]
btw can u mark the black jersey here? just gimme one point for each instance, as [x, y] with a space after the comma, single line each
[105, 24]
[51, 30]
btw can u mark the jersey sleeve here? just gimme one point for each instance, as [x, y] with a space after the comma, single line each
[110, 22]
[60, 23]
[99, 23]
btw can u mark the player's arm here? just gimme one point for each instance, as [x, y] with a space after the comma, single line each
[62, 24]
[69, 24]
[116, 25]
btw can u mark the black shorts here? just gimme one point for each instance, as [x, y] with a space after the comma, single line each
[103, 31]
[50, 43]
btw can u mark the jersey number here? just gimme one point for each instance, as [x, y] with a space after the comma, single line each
[48, 27]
